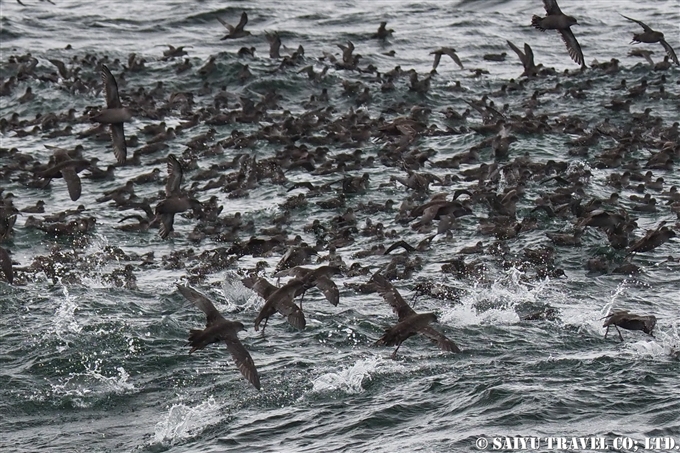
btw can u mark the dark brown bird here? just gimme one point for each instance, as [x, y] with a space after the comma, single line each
[175, 202]
[319, 277]
[629, 321]
[410, 322]
[281, 300]
[557, 20]
[6, 265]
[237, 31]
[67, 168]
[114, 114]
[383, 32]
[650, 37]
[219, 329]
[653, 239]
[527, 59]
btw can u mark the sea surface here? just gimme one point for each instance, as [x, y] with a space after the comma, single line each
[87, 365]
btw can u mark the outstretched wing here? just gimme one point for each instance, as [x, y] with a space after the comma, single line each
[201, 302]
[242, 23]
[174, 176]
[670, 51]
[551, 7]
[111, 87]
[118, 142]
[640, 23]
[573, 46]
[392, 297]
[226, 25]
[444, 343]
[243, 360]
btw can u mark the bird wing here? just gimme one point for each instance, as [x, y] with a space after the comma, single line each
[201, 302]
[242, 23]
[444, 343]
[329, 289]
[406, 246]
[167, 220]
[118, 142]
[573, 46]
[437, 58]
[282, 300]
[522, 57]
[529, 54]
[451, 53]
[112, 98]
[262, 287]
[226, 25]
[72, 182]
[174, 176]
[551, 7]
[242, 358]
[640, 23]
[392, 297]
[669, 51]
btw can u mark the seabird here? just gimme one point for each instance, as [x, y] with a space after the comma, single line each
[629, 321]
[114, 114]
[238, 31]
[650, 37]
[218, 329]
[410, 322]
[557, 20]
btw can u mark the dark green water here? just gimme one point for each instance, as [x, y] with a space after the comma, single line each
[88, 366]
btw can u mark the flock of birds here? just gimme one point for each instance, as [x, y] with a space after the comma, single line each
[318, 126]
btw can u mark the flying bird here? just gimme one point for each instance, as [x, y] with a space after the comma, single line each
[557, 20]
[218, 329]
[629, 321]
[650, 37]
[175, 201]
[410, 322]
[445, 51]
[237, 31]
[114, 114]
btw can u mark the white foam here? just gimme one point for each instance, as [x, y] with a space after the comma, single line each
[183, 422]
[350, 379]
[91, 383]
[495, 303]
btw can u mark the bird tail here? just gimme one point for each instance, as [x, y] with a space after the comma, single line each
[536, 22]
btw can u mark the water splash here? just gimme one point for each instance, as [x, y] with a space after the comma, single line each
[349, 380]
[183, 422]
[92, 383]
[64, 318]
[237, 295]
[496, 303]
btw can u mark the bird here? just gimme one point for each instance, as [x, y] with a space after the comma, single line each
[629, 321]
[114, 114]
[218, 329]
[557, 20]
[527, 59]
[68, 168]
[319, 277]
[175, 201]
[445, 51]
[281, 300]
[383, 32]
[238, 31]
[410, 322]
[6, 265]
[650, 37]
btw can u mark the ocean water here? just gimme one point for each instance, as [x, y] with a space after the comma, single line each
[89, 365]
